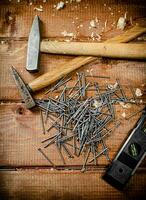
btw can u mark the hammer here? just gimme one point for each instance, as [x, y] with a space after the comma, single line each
[111, 48]
[63, 69]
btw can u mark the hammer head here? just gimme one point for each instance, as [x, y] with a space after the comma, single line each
[26, 96]
[33, 48]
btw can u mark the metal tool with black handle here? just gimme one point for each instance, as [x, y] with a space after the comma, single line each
[129, 157]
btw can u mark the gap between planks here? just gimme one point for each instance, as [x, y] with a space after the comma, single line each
[72, 185]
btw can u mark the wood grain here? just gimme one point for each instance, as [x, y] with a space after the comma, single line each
[64, 185]
[128, 35]
[70, 18]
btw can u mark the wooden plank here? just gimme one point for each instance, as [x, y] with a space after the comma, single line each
[45, 184]
[21, 135]
[16, 18]
[14, 53]
[20, 129]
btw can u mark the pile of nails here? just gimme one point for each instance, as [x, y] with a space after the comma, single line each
[82, 123]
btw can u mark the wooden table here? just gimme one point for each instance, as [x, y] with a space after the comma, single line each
[24, 173]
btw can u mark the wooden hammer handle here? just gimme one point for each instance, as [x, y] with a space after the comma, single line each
[57, 73]
[128, 35]
[48, 78]
[112, 50]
